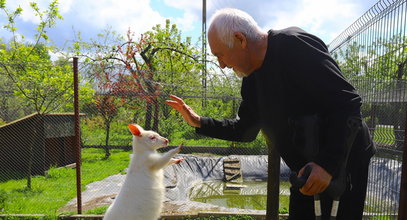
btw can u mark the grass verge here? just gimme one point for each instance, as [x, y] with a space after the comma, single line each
[52, 191]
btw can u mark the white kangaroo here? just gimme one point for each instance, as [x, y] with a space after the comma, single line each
[142, 194]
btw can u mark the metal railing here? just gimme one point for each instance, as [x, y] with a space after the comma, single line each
[372, 53]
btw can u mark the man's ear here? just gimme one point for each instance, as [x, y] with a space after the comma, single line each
[134, 129]
[241, 39]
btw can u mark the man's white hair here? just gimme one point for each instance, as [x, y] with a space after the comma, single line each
[228, 21]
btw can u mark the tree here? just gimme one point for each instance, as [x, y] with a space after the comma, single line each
[391, 63]
[41, 84]
[157, 59]
[132, 72]
[382, 59]
[382, 66]
[107, 107]
[10, 105]
[352, 60]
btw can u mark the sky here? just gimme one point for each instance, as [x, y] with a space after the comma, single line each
[324, 18]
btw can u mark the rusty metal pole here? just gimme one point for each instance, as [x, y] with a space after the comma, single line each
[403, 183]
[204, 72]
[77, 143]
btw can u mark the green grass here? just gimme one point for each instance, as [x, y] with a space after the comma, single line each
[384, 135]
[96, 211]
[54, 190]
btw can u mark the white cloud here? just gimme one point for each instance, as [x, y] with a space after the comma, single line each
[89, 17]
[98, 14]
[184, 4]
[121, 15]
[188, 21]
[324, 18]
[321, 17]
[65, 6]
[192, 13]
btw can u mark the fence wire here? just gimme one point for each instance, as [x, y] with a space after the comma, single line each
[372, 53]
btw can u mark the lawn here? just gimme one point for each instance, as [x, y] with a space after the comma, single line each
[384, 134]
[58, 186]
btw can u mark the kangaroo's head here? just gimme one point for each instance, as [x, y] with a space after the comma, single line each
[146, 140]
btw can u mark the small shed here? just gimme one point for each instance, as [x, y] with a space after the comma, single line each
[42, 140]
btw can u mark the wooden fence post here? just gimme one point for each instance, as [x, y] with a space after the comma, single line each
[273, 181]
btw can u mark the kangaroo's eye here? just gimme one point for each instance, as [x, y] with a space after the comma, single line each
[152, 137]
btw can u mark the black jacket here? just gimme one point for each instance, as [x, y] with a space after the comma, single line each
[298, 79]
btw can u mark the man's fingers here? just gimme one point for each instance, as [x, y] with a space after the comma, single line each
[301, 172]
[177, 106]
[171, 103]
[177, 99]
[310, 189]
[176, 102]
[187, 112]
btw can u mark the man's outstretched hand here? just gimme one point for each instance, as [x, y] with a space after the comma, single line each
[187, 113]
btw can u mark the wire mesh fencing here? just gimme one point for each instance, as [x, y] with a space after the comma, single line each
[372, 53]
[384, 113]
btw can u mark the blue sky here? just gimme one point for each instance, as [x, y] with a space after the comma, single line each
[324, 18]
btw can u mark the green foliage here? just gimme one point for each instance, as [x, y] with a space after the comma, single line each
[382, 217]
[2, 122]
[3, 199]
[94, 133]
[2, 4]
[160, 62]
[47, 19]
[381, 59]
[171, 126]
[42, 85]
[351, 60]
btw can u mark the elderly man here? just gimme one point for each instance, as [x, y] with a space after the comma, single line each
[294, 92]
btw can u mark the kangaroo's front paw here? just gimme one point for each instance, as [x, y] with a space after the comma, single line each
[180, 148]
[177, 161]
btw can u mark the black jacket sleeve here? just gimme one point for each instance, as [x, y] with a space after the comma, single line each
[243, 128]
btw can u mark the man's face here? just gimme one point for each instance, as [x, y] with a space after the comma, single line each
[233, 58]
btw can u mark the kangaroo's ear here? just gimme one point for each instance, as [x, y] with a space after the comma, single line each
[134, 130]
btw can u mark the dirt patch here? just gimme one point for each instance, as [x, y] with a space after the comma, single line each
[186, 208]
[91, 204]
